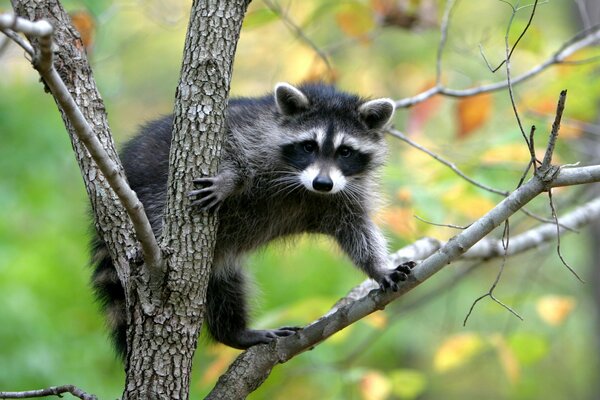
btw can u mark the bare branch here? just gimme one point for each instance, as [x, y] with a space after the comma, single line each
[554, 132]
[581, 40]
[51, 391]
[12, 35]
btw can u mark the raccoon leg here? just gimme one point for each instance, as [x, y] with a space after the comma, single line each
[227, 313]
[365, 245]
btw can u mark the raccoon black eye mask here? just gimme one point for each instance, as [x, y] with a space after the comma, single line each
[303, 159]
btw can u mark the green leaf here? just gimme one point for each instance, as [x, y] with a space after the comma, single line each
[259, 18]
[528, 347]
[408, 383]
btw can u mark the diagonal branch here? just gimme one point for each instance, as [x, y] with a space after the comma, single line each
[112, 171]
[241, 379]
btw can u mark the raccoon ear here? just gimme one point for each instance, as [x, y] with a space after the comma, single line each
[289, 100]
[377, 113]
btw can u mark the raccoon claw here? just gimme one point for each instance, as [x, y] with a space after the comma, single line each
[211, 195]
[399, 274]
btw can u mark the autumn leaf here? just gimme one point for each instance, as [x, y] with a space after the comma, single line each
[457, 351]
[554, 309]
[85, 25]
[421, 112]
[375, 386]
[472, 112]
[400, 220]
[355, 20]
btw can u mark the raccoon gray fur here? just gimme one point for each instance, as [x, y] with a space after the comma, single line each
[303, 159]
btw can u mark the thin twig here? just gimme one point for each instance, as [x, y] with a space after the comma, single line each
[51, 391]
[490, 293]
[297, 30]
[554, 215]
[396, 133]
[442, 225]
[443, 38]
[579, 41]
[514, 46]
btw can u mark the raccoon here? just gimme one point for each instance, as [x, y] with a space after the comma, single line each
[300, 160]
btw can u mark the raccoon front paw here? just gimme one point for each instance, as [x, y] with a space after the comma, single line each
[392, 277]
[214, 191]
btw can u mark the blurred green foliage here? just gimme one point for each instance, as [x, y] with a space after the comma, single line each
[51, 331]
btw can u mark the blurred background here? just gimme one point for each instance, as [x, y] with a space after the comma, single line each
[52, 332]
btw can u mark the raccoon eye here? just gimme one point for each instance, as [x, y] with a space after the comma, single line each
[345, 151]
[310, 147]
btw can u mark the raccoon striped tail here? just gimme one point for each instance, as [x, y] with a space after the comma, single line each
[109, 293]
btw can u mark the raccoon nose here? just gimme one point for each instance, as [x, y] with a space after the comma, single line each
[322, 183]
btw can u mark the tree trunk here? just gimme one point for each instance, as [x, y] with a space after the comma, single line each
[163, 339]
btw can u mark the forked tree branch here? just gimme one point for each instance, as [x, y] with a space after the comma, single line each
[43, 63]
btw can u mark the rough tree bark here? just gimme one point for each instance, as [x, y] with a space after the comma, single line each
[165, 334]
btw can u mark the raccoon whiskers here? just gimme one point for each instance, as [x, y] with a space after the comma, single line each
[285, 185]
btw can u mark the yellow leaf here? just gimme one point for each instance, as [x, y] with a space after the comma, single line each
[375, 386]
[508, 359]
[512, 152]
[467, 203]
[554, 309]
[472, 113]
[377, 320]
[456, 351]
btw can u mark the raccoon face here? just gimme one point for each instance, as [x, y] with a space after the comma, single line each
[336, 137]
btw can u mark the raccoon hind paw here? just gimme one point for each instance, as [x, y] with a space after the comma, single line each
[398, 274]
